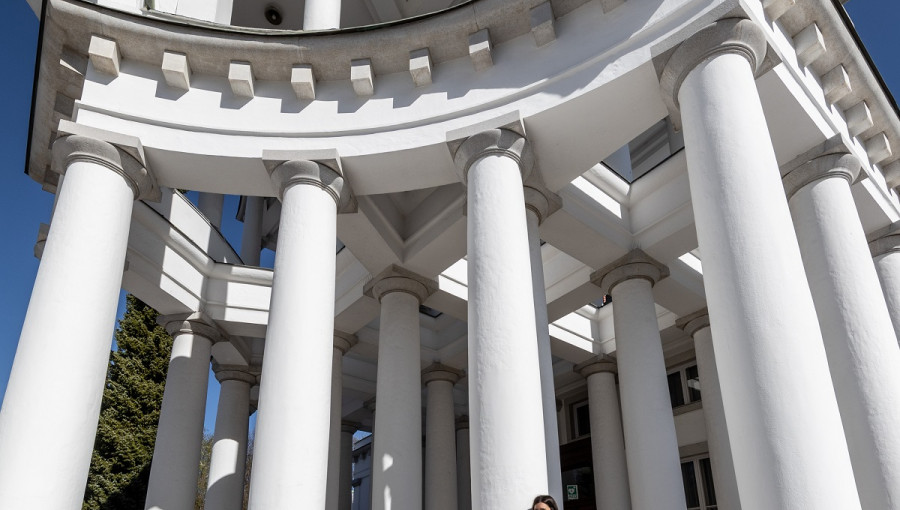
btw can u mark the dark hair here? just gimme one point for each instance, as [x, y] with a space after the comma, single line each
[545, 499]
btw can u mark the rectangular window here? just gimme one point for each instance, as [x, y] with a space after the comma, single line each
[684, 385]
[699, 490]
[581, 419]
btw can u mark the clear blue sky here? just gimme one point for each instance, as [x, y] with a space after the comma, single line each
[23, 206]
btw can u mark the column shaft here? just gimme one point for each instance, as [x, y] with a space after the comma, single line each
[859, 337]
[335, 460]
[322, 14]
[607, 443]
[52, 402]
[211, 204]
[545, 359]
[783, 422]
[440, 447]
[176, 454]
[251, 237]
[886, 253]
[654, 471]
[294, 417]
[228, 459]
[505, 405]
[346, 472]
[397, 461]
[463, 470]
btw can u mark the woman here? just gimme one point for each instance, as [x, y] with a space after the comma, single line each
[544, 502]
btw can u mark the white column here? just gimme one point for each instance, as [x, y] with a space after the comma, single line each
[211, 204]
[346, 473]
[859, 337]
[654, 470]
[293, 424]
[251, 236]
[176, 454]
[52, 402]
[225, 486]
[463, 472]
[607, 440]
[397, 458]
[322, 14]
[539, 204]
[697, 326]
[885, 249]
[783, 423]
[440, 438]
[342, 343]
[505, 404]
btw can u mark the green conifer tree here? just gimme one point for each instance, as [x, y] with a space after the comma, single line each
[123, 448]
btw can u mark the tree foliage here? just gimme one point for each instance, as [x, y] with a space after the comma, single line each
[135, 381]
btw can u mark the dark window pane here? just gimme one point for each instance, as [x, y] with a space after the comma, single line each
[693, 383]
[690, 485]
[676, 395]
[583, 420]
[709, 488]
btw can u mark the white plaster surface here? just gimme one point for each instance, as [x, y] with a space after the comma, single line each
[607, 443]
[225, 486]
[440, 448]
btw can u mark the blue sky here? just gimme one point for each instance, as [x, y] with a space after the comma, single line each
[24, 206]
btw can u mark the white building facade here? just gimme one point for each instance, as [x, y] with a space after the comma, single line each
[636, 255]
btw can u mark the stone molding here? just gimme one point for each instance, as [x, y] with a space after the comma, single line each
[397, 279]
[349, 427]
[370, 404]
[234, 373]
[829, 159]
[692, 323]
[730, 35]
[462, 422]
[597, 365]
[886, 240]
[192, 324]
[441, 372]
[122, 154]
[321, 169]
[540, 200]
[344, 341]
[636, 264]
[504, 136]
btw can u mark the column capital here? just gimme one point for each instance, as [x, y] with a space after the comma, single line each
[320, 168]
[730, 35]
[539, 199]
[344, 341]
[349, 427]
[694, 322]
[596, 365]
[829, 159]
[192, 324]
[501, 141]
[398, 279]
[636, 264]
[370, 404]
[440, 372]
[462, 422]
[885, 240]
[122, 154]
[234, 373]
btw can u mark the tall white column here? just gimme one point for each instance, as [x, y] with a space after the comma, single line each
[783, 422]
[176, 454]
[505, 405]
[397, 459]
[342, 343]
[859, 337]
[697, 326]
[440, 438]
[463, 471]
[607, 439]
[228, 459]
[52, 402]
[251, 236]
[322, 14]
[885, 249]
[654, 470]
[211, 204]
[539, 204]
[293, 424]
[346, 472]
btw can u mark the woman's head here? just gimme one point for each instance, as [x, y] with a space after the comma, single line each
[544, 502]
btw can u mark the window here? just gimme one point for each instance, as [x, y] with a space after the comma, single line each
[699, 490]
[684, 385]
[581, 420]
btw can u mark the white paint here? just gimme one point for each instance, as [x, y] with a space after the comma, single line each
[346, 472]
[291, 449]
[607, 443]
[321, 14]
[440, 448]
[859, 337]
[251, 236]
[334, 435]
[888, 267]
[463, 470]
[508, 456]
[397, 466]
[210, 204]
[654, 471]
[787, 439]
[225, 488]
[716, 429]
[545, 359]
[52, 401]
[176, 454]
